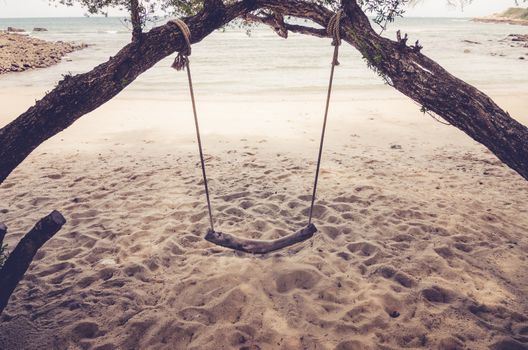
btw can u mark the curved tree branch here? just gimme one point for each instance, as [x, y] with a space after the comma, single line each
[21, 257]
[415, 75]
[281, 27]
[75, 96]
[409, 71]
[426, 82]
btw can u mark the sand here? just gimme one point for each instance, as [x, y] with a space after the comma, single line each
[19, 52]
[422, 232]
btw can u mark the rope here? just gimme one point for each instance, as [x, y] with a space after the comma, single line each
[181, 62]
[334, 30]
[182, 59]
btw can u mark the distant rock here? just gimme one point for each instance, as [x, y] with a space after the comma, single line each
[15, 30]
[513, 15]
[471, 42]
[37, 29]
[23, 52]
[517, 40]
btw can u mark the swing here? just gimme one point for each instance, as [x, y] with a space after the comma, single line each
[254, 246]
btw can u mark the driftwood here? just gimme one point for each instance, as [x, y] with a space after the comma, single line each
[255, 246]
[21, 257]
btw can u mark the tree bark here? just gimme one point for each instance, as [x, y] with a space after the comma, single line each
[135, 18]
[404, 67]
[415, 75]
[426, 82]
[21, 257]
[3, 231]
[78, 95]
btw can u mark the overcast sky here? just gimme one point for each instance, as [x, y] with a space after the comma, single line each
[427, 8]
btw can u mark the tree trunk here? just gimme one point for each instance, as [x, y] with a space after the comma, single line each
[21, 257]
[426, 82]
[76, 96]
[135, 18]
[403, 67]
[3, 231]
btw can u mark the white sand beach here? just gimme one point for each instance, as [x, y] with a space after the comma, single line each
[414, 219]
[422, 238]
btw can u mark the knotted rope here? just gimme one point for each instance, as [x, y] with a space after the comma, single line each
[334, 30]
[334, 27]
[183, 56]
[181, 62]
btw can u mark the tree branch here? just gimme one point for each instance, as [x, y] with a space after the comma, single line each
[281, 27]
[320, 33]
[426, 82]
[21, 257]
[77, 95]
[135, 18]
[3, 231]
[211, 5]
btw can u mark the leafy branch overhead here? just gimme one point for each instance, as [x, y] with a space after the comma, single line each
[383, 11]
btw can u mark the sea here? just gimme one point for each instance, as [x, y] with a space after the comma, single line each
[235, 63]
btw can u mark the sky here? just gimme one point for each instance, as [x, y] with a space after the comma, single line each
[425, 8]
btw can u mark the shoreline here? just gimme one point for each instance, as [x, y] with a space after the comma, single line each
[21, 52]
[500, 20]
[513, 15]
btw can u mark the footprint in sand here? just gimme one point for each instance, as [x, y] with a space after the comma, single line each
[436, 294]
[463, 247]
[445, 252]
[352, 345]
[54, 176]
[318, 211]
[399, 276]
[363, 248]
[509, 344]
[300, 278]
[86, 330]
[404, 279]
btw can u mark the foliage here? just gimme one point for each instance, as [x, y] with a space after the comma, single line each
[384, 11]
[515, 13]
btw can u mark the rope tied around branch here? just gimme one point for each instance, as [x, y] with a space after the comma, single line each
[334, 30]
[183, 56]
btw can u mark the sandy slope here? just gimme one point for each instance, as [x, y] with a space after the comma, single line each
[415, 221]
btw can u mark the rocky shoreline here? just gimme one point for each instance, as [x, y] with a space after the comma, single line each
[20, 52]
[516, 16]
[492, 19]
